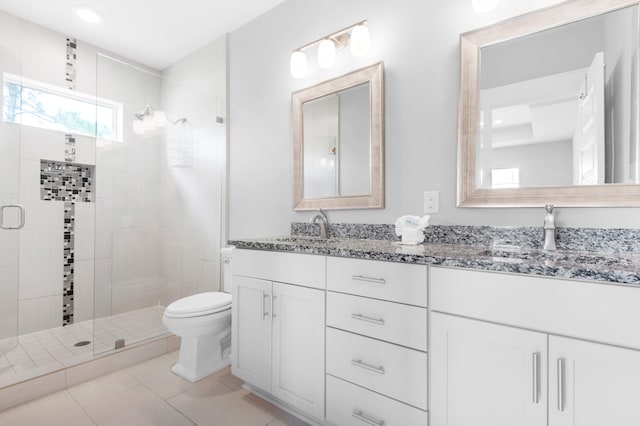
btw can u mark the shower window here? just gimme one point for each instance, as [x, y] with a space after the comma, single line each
[38, 104]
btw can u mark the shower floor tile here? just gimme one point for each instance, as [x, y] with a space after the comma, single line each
[46, 351]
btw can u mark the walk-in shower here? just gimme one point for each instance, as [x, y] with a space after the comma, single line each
[100, 225]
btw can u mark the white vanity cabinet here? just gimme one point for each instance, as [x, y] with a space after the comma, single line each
[484, 374]
[599, 384]
[278, 321]
[521, 350]
[376, 343]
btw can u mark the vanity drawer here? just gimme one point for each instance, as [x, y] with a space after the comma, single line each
[398, 282]
[394, 322]
[292, 268]
[587, 310]
[348, 404]
[391, 370]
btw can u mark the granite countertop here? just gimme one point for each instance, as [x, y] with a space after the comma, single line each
[619, 268]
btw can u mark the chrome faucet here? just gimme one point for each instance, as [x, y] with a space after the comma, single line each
[324, 223]
[549, 229]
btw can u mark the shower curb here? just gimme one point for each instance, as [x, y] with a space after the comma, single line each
[101, 364]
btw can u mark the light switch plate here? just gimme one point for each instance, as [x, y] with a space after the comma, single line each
[431, 201]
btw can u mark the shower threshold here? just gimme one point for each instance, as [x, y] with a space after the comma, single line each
[50, 358]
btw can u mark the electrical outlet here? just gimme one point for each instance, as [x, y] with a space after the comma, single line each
[431, 202]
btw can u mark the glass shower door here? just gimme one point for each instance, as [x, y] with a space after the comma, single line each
[12, 214]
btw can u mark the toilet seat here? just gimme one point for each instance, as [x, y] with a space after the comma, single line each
[199, 305]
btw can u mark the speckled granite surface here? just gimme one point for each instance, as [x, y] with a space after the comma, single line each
[574, 239]
[609, 255]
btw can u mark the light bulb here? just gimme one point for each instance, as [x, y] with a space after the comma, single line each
[138, 127]
[298, 64]
[326, 54]
[483, 6]
[160, 118]
[149, 123]
[360, 41]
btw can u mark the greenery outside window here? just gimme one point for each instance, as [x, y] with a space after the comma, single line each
[33, 103]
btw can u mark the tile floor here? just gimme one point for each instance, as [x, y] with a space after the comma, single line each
[149, 394]
[45, 351]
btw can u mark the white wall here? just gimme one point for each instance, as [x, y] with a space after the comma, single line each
[418, 41]
[562, 49]
[540, 164]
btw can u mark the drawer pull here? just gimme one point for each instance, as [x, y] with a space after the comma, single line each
[359, 363]
[361, 317]
[360, 415]
[368, 279]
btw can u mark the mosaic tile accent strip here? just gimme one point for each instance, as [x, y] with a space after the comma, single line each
[71, 184]
[69, 147]
[68, 265]
[70, 75]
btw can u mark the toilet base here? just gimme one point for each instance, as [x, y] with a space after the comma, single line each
[201, 356]
[196, 376]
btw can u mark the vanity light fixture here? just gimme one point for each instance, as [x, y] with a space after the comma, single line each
[150, 118]
[357, 35]
[326, 53]
[483, 6]
[360, 40]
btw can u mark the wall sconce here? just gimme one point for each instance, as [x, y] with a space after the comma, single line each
[357, 35]
[483, 6]
[150, 118]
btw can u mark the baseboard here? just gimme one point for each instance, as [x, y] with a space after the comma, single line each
[284, 406]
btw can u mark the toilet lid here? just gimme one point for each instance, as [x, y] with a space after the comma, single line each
[200, 304]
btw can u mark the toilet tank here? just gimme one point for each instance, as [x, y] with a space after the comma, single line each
[225, 259]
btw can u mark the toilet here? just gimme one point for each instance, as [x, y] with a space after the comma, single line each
[203, 321]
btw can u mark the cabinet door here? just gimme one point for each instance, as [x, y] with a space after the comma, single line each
[298, 347]
[486, 374]
[251, 331]
[592, 384]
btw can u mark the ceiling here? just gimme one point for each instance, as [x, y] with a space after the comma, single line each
[155, 33]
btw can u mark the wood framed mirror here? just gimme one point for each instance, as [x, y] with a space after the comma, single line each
[338, 144]
[548, 108]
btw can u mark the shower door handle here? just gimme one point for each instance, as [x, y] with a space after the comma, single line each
[12, 206]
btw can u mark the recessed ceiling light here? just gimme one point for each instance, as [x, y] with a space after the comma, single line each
[88, 15]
